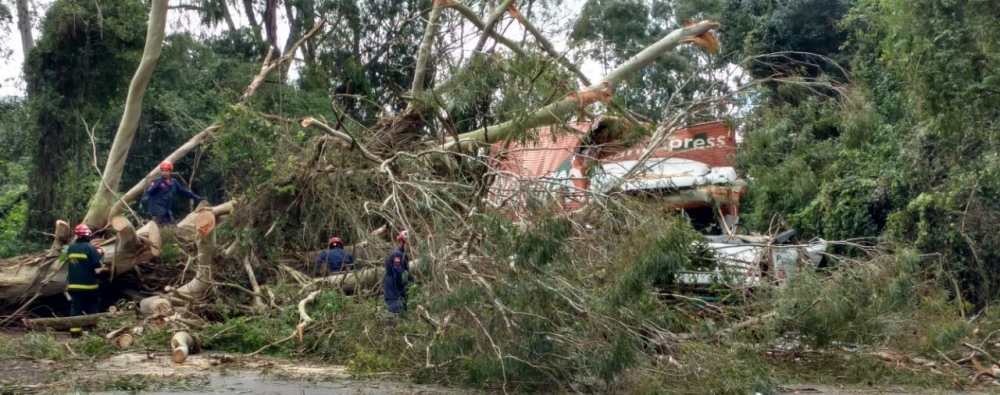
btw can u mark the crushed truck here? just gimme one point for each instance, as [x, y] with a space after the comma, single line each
[691, 171]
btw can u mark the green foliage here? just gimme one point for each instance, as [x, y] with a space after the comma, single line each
[13, 208]
[94, 345]
[852, 304]
[652, 259]
[907, 153]
[764, 27]
[83, 62]
[33, 345]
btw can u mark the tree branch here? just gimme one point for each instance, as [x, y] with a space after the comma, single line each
[555, 112]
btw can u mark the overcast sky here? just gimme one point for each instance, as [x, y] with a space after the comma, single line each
[11, 82]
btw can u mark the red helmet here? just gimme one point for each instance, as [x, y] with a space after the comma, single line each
[82, 230]
[403, 236]
[166, 165]
[336, 241]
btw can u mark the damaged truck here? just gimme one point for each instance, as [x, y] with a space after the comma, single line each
[574, 164]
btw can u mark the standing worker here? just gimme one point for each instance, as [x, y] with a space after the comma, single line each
[160, 195]
[397, 272]
[84, 262]
[335, 258]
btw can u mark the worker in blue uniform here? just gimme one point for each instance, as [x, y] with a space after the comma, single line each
[397, 271]
[160, 195]
[334, 259]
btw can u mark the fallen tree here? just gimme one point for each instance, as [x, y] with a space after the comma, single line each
[41, 274]
[44, 273]
[65, 323]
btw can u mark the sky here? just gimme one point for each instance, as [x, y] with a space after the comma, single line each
[12, 84]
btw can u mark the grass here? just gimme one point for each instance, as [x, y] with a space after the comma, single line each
[34, 346]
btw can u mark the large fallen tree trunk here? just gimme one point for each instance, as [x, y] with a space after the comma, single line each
[354, 280]
[44, 274]
[64, 323]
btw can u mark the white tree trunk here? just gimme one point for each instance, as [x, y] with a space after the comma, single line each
[424, 55]
[27, 40]
[183, 344]
[202, 226]
[105, 198]
[600, 91]
[42, 273]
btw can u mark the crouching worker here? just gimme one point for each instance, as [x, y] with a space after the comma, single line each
[84, 263]
[397, 272]
[160, 195]
[334, 259]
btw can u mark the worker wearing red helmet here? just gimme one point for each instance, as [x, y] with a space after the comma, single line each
[160, 195]
[83, 261]
[335, 258]
[397, 270]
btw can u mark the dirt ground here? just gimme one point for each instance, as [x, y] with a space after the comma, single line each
[154, 373]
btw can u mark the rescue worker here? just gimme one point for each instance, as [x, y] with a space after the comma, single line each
[160, 195]
[84, 263]
[335, 258]
[397, 272]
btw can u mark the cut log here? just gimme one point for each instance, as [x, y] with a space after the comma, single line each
[187, 228]
[196, 288]
[155, 305]
[124, 341]
[203, 222]
[183, 344]
[64, 323]
[63, 234]
[127, 238]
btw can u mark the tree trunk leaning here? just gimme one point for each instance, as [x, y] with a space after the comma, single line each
[560, 110]
[106, 195]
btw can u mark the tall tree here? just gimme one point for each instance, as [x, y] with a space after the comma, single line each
[27, 39]
[82, 65]
[106, 195]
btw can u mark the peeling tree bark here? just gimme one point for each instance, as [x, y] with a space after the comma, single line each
[105, 198]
